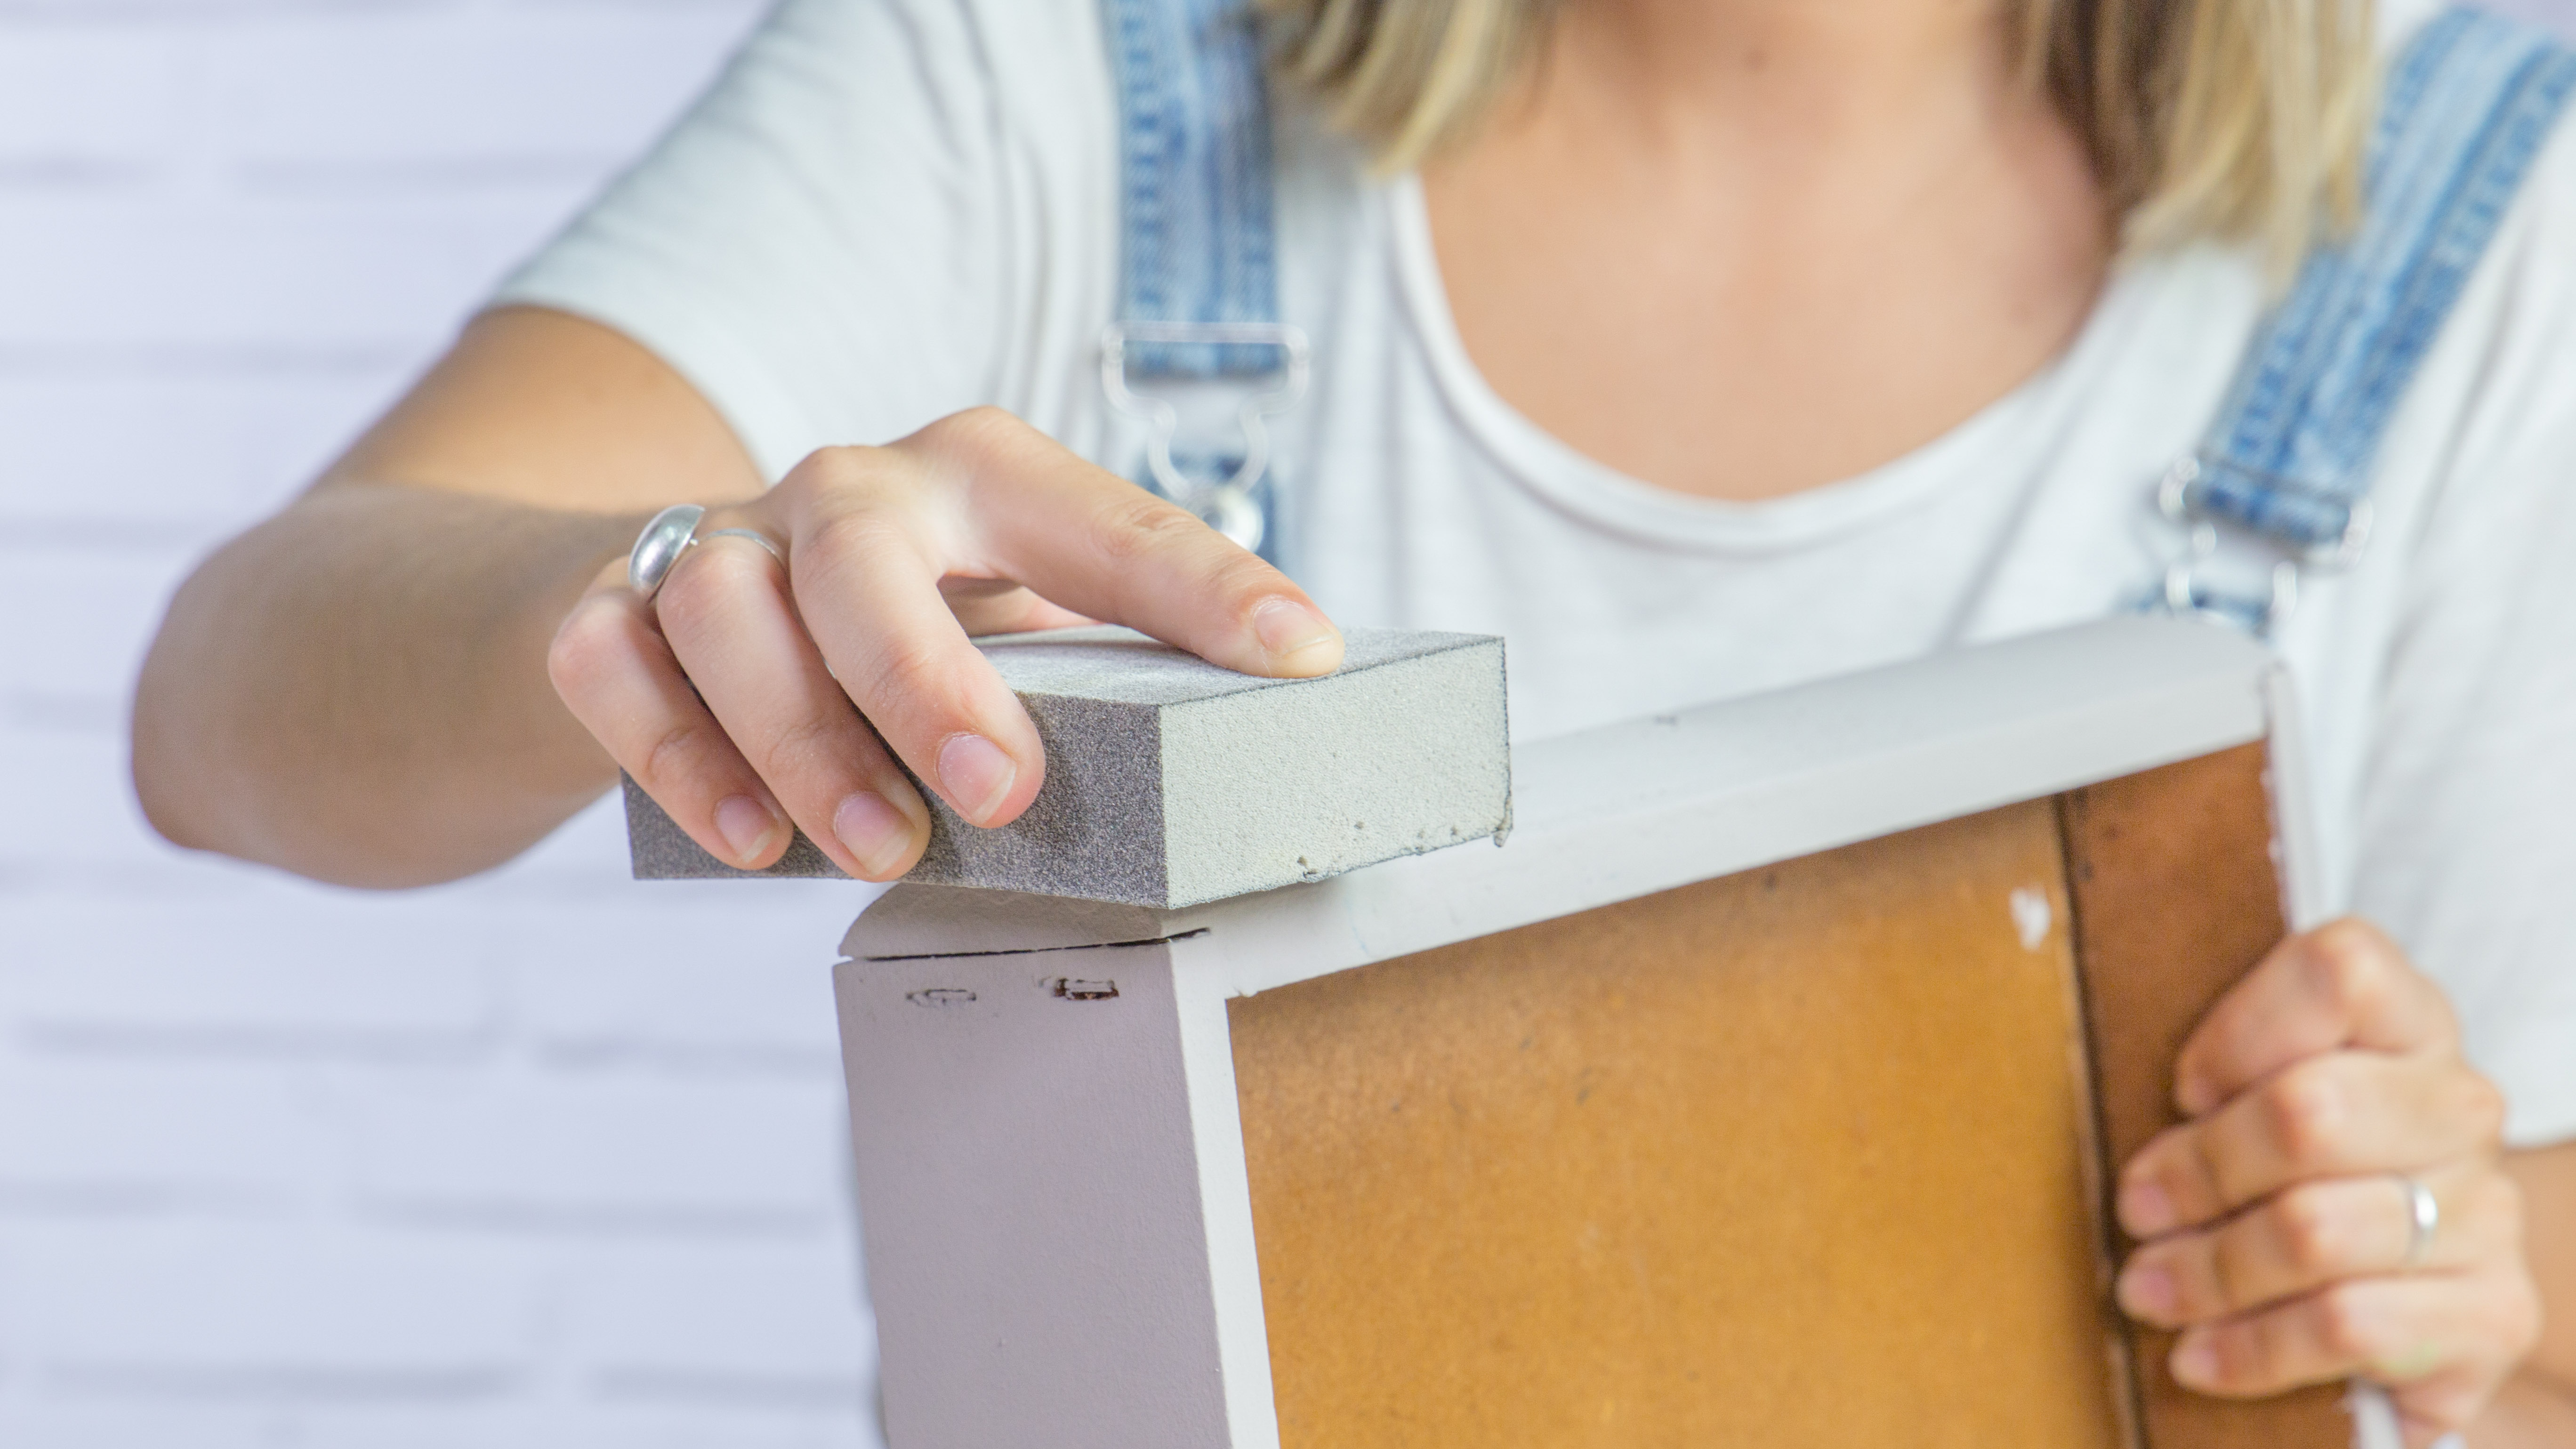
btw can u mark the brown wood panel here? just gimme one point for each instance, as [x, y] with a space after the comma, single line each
[2176, 898]
[1792, 1158]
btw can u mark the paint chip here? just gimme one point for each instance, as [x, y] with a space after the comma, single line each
[940, 996]
[2031, 915]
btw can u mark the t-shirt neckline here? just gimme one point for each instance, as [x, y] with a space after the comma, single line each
[1606, 497]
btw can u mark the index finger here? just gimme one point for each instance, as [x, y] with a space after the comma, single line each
[1086, 539]
[877, 533]
[2342, 985]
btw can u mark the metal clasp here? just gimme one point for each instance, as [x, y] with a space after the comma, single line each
[1228, 506]
[2181, 500]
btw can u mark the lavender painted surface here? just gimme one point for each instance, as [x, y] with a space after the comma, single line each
[1022, 1132]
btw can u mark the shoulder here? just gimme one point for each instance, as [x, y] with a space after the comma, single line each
[993, 31]
[2539, 233]
[2497, 387]
[969, 59]
[2479, 133]
[2476, 466]
[2527, 110]
[852, 229]
[2507, 364]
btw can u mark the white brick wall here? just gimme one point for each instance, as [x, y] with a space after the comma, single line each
[547, 1159]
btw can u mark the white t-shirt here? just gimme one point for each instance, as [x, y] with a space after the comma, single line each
[889, 210]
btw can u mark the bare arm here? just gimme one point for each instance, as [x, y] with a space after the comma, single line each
[430, 660]
[2536, 1409]
[356, 689]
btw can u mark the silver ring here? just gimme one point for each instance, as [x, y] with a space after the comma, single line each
[660, 545]
[756, 536]
[2424, 1218]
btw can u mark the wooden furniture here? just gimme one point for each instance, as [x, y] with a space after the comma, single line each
[1760, 1090]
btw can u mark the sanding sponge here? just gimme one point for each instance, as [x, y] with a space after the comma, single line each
[1170, 781]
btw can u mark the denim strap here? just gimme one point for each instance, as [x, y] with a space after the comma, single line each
[1199, 243]
[2466, 108]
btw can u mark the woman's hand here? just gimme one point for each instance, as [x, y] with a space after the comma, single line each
[2277, 1223]
[805, 675]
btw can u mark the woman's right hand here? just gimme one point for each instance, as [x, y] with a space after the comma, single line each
[804, 677]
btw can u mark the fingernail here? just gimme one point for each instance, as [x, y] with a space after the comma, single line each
[746, 825]
[1287, 628]
[2147, 1291]
[2195, 1363]
[976, 775]
[2145, 1210]
[871, 828]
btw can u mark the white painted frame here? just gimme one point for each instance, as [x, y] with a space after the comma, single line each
[1058, 1216]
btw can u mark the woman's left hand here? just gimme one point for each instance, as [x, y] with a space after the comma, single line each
[2278, 1224]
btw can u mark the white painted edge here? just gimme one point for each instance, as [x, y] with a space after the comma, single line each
[1625, 811]
[2298, 856]
[2306, 895]
[1225, 1206]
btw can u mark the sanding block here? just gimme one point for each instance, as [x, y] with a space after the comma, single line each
[1171, 781]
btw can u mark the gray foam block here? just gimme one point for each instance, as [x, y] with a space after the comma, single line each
[1170, 781]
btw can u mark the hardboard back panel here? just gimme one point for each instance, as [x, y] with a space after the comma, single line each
[2176, 899]
[1810, 1155]
[1792, 1157]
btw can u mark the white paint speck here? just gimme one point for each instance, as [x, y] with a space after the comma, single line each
[2031, 916]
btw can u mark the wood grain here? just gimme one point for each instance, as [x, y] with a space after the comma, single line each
[2176, 898]
[1790, 1158]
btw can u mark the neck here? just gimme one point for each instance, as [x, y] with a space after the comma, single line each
[1789, 78]
[1742, 247]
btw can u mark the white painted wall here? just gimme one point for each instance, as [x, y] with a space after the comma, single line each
[549, 1159]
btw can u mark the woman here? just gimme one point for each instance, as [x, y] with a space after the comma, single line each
[1749, 341]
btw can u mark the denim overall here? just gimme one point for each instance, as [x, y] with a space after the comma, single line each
[2285, 471]
[2279, 484]
[1198, 279]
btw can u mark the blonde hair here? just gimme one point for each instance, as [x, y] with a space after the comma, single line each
[2234, 119]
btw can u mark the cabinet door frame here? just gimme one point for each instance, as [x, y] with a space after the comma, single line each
[1047, 1127]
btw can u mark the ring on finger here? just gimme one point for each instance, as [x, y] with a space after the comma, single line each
[673, 532]
[756, 536]
[659, 546]
[2423, 1218]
